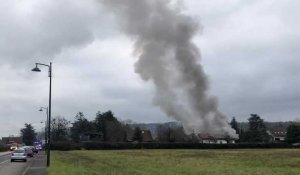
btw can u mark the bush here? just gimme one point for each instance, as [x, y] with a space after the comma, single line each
[156, 145]
[110, 145]
[91, 145]
[4, 148]
[65, 146]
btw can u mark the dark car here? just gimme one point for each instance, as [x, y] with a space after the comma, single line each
[28, 151]
[34, 149]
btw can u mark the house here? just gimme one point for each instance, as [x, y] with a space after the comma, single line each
[91, 136]
[12, 139]
[277, 135]
[128, 134]
[146, 134]
[208, 139]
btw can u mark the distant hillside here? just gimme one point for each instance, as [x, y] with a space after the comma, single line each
[272, 126]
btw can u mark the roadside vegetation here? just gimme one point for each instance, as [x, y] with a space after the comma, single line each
[171, 162]
[106, 127]
[4, 148]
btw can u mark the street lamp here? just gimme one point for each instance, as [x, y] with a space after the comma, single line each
[46, 140]
[36, 69]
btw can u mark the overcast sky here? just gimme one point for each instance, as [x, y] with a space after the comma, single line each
[250, 51]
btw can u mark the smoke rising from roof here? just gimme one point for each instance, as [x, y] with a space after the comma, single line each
[168, 58]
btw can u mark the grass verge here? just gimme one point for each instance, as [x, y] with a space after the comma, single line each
[172, 162]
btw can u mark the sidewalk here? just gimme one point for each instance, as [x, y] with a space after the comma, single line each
[38, 165]
[5, 153]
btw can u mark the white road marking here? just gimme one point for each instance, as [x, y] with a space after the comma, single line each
[28, 167]
[4, 161]
[33, 168]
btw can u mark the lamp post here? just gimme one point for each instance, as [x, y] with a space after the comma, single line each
[36, 69]
[46, 122]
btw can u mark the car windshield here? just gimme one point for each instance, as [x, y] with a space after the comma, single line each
[19, 151]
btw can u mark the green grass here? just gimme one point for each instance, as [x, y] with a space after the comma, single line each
[172, 162]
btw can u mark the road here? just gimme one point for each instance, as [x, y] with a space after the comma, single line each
[33, 166]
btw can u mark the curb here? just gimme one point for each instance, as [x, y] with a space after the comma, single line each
[5, 153]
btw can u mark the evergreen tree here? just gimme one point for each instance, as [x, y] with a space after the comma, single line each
[28, 134]
[80, 126]
[137, 134]
[257, 130]
[59, 129]
[293, 134]
[234, 125]
[107, 124]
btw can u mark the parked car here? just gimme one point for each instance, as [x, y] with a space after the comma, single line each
[28, 150]
[19, 154]
[34, 149]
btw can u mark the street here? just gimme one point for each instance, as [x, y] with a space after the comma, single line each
[33, 166]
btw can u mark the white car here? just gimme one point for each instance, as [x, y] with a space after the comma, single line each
[13, 147]
[18, 154]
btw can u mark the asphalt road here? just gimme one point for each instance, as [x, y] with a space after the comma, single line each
[33, 166]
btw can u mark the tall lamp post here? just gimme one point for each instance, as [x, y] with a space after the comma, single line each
[46, 140]
[36, 69]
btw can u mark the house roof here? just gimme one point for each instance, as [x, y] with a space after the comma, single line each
[6, 140]
[216, 137]
[278, 133]
[147, 137]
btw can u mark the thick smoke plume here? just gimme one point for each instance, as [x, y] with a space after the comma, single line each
[168, 57]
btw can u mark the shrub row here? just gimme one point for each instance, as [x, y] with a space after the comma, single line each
[103, 145]
[65, 146]
[4, 148]
[154, 145]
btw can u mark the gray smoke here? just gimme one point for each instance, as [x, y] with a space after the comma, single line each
[168, 57]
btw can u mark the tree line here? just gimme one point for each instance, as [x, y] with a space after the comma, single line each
[107, 128]
[257, 131]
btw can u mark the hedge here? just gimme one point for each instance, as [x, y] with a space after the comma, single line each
[65, 146]
[4, 148]
[156, 145]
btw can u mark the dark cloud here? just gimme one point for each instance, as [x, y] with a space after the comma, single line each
[39, 30]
